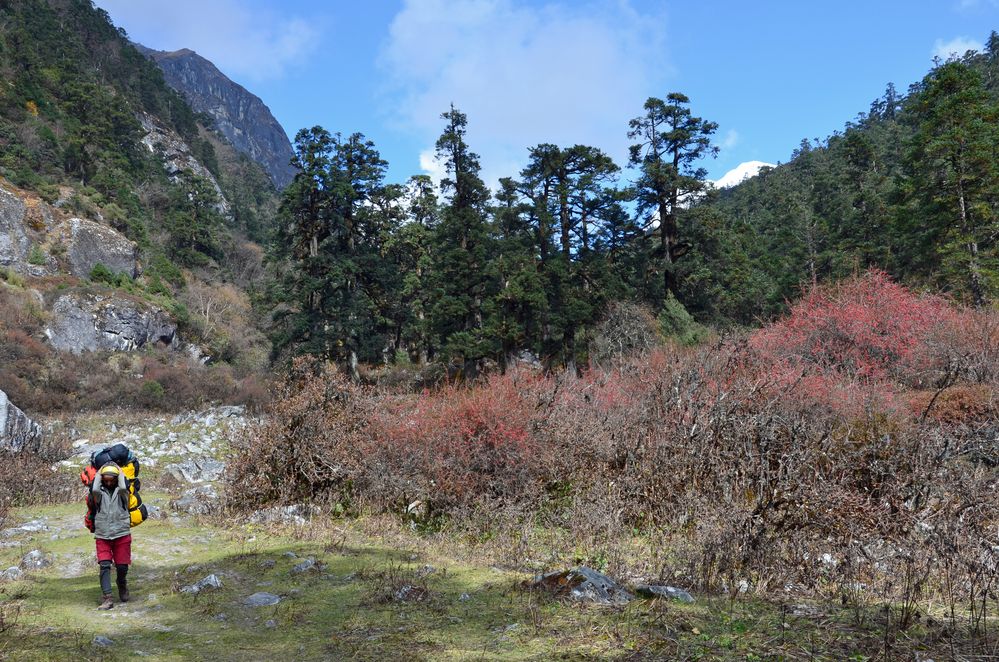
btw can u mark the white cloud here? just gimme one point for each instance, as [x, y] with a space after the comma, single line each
[956, 47]
[244, 42]
[432, 166]
[730, 140]
[974, 4]
[564, 72]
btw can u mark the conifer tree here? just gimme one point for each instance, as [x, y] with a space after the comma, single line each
[669, 142]
[953, 177]
[460, 279]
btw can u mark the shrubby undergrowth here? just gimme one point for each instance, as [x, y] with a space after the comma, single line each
[42, 380]
[848, 450]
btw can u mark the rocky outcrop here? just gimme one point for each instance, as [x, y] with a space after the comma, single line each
[583, 584]
[33, 233]
[177, 156]
[14, 243]
[87, 323]
[239, 115]
[17, 431]
[89, 243]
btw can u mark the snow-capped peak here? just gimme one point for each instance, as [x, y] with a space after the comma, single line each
[741, 173]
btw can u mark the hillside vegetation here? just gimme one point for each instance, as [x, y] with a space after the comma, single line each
[89, 129]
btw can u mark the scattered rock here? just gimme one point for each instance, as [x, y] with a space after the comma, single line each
[34, 526]
[410, 593]
[206, 583]
[426, 571]
[196, 470]
[296, 514]
[262, 599]
[270, 623]
[103, 641]
[583, 584]
[35, 560]
[17, 431]
[200, 500]
[659, 591]
[268, 564]
[11, 573]
[464, 597]
[307, 565]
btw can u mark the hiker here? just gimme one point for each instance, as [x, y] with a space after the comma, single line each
[109, 520]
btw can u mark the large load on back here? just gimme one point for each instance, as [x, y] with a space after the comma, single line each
[120, 455]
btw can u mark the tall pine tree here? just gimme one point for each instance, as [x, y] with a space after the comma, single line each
[670, 141]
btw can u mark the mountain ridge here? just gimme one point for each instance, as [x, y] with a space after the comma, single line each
[239, 115]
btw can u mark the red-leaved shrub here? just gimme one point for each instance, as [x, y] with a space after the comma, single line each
[837, 450]
[866, 327]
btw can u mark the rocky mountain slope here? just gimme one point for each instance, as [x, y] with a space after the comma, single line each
[239, 115]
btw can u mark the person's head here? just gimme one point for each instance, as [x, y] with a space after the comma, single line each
[109, 474]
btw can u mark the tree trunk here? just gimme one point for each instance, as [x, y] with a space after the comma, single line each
[974, 269]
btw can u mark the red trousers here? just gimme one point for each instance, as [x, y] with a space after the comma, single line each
[119, 550]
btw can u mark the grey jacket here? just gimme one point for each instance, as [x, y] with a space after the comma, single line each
[111, 519]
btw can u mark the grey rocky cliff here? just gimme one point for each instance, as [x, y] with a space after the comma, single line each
[87, 323]
[27, 222]
[89, 243]
[17, 431]
[177, 156]
[14, 243]
[239, 115]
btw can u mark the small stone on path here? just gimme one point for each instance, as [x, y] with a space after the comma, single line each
[305, 566]
[262, 599]
[206, 583]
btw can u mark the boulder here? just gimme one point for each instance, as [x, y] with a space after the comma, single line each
[200, 500]
[668, 592]
[17, 431]
[262, 599]
[196, 470]
[582, 584]
[206, 583]
[410, 593]
[12, 573]
[89, 243]
[87, 323]
[35, 560]
[307, 565]
[14, 242]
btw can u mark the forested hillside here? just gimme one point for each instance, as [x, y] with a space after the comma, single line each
[571, 256]
[91, 137]
[369, 271]
[910, 186]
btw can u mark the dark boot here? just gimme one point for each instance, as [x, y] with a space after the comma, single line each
[122, 582]
[108, 602]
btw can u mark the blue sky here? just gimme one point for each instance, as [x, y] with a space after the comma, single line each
[563, 71]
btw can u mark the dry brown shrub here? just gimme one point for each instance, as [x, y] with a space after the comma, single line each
[726, 475]
[308, 445]
[30, 479]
